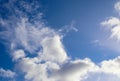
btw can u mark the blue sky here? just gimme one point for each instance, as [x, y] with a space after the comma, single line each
[59, 40]
[87, 16]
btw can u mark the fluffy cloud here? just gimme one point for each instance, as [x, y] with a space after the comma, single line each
[111, 39]
[113, 66]
[117, 7]
[18, 54]
[53, 49]
[6, 73]
[98, 76]
[75, 70]
[108, 71]
[50, 62]
[113, 24]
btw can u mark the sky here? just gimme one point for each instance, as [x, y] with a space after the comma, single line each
[59, 40]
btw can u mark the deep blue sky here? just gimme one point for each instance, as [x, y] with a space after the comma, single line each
[87, 15]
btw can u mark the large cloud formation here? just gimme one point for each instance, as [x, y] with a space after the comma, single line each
[38, 52]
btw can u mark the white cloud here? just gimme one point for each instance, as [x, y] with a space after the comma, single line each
[108, 71]
[116, 33]
[112, 40]
[111, 66]
[75, 70]
[112, 25]
[28, 36]
[6, 73]
[18, 54]
[111, 22]
[99, 76]
[53, 49]
[117, 7]
[68, 28]
[41, 41]
[35, 70]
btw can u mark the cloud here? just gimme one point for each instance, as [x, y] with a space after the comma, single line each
[6, 73]
[111, 22]
[113, 25]
[39, 54]
[113, 66]
[117, 7]
[75, 70]
[68, 28]
[18, 54]
[98, 76]
[108, 71]
[35, 47]
[111, 40]
[53, 49]
[36, 70]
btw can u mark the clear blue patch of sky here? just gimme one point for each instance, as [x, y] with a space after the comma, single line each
[5, 59]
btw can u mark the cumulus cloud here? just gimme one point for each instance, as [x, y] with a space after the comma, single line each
[6, 73]
[53, 49]
[75, 70]
[38, 52]
[113, 66]
[98, 76]
[108, 71]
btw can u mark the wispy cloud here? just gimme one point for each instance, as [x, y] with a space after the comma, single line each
[112, 27]
[6, 73]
